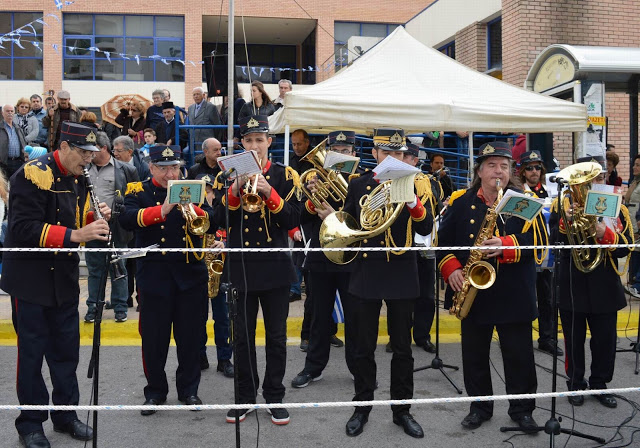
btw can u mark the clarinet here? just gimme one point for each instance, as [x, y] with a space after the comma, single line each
[117, 269]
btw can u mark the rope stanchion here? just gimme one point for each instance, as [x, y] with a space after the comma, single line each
[317, 405]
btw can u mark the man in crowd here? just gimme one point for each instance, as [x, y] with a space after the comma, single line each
[531, 173]
[284, 86]
[154, 112]
[12, 142]
[389, 276]
[39, 112]
[439, 171]
[125, 151]
[48, 196]
[211, 149]
[63, 111]
[497, 307]
[166, 130]
[173, 285]
[202, 112]
[300, 143]
[109, 177]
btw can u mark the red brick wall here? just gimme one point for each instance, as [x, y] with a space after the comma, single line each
[471, 46]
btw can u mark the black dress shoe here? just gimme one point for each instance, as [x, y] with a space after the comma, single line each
[191, 401]
[35, 440]
[427, 346]
[76, 429]
[151, 402]
[411, 427]
[294, 297]
[226, 368]
[576, 400]
[473, 420]
[526, 423]
[356, 423]
[607, 400]
[551, 348]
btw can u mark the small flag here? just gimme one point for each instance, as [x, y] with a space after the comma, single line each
[338, 311]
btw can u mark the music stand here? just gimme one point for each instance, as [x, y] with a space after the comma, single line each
[436, 362]
[552, 426]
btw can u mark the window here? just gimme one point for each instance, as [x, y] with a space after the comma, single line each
[123, 37]
[342, 31]
[21, 60]
[449, 49]
[494, 44]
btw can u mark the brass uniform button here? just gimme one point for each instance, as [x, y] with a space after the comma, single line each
[471, 235]
[162, 240]
[157, 203]
[184, 238]
[473, 221]
[268, 177]
[473, 207]
[246, 230]
[259, 229]
[52, 268]
[258, 243]
[368, 187]
[76, 180]
[162, 227]
[246, 216]
[246, 243]
[382, 243]
[58, 180]
[365, 241]
[364, 255]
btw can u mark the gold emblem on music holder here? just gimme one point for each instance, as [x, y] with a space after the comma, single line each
[168, 152]
[396, 138]
[341, 137]
[253, 123]
[601, 205]
[488, 149]
[91, 137]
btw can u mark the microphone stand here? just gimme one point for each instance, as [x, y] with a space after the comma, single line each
[436, 362]
[552, 426]
[231, 295]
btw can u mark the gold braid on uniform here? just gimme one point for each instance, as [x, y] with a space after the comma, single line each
[425, 194]
[134, 187]
[189, 245]
[291, 174]
[388, 240]
[455, 195]
[539, 236]
[622, 235]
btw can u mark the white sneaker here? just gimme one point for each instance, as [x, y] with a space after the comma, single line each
[633, 292]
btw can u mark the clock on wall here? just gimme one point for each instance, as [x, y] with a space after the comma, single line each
[556, 70]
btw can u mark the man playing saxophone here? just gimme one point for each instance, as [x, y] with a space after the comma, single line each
[509, 305]
[391, 276]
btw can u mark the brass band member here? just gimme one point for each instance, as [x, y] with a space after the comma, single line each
[261, 278]
[510, 304]
[592, 298]
[389, 276]
[172, 285]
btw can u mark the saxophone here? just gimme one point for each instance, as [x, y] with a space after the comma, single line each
[478, 274]
[215, 264]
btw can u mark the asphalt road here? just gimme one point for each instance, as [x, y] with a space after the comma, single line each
[122, 381]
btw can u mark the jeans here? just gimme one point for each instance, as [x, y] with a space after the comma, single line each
[97, 266]
[296, 288]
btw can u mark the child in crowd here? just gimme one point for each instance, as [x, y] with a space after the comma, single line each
[149, 141]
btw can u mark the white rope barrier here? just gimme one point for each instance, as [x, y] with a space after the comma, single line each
[316, 405]
[315, 249]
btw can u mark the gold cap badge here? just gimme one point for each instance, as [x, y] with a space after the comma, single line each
[341, 137]
[488, 149]
[168, 152]
[396, 138]
[533, 155]
[91, 137]
[253, 123]
[206, 178]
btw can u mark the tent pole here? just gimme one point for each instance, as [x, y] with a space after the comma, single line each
[470, 158]
[286, 144]
[231, 67]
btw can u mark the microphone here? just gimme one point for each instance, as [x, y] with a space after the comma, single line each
[225, 175]
[558, 180]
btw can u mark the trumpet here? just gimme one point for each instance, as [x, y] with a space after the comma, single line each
[198, 225]
[251, 200]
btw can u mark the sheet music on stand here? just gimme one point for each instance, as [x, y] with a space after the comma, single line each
[402, 177]
[136, 253]
[341, 162]
[244, 163]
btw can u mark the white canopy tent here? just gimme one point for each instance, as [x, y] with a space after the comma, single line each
[402, 83]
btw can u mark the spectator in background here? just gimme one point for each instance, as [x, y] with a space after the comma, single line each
[433, 139]
[154, 113]
[202, 112]
[612, 174]
[439, 171]
[632, 201]
[519, 148]
[132, 121]
[211, 149]
[260, 103]
[39, 112]
[301, 144]
[89, 119]
[238, 102]
[124, 150]
[49, 102]
[166, 130]
[167, 94]
[63, 111]
[149, 141]
[462, 139]
[284, 86]
[12, 143]
[26, 121]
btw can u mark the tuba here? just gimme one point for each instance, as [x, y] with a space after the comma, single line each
[215, 265]
[330, 185]
[478, 274]
[581, 228]
[339, 229]
[198, 225]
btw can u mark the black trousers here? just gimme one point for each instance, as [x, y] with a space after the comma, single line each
[399, 318]
[275, 310]
[517, 356]
[545, 310]
[325, 285]
[305, 331]
[52, 333]
[425, 306]
[603, 348]
[186, 312]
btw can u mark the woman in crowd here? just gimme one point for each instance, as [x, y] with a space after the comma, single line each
[26, 120]
[632, 201]
[260, 103]
[612, 174]
[132, 121]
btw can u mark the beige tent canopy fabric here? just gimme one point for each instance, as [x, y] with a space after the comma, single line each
[403, 83]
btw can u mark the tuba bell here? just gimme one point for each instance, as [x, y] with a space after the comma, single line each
[581, 228]
[339, 229]
[330, 184]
